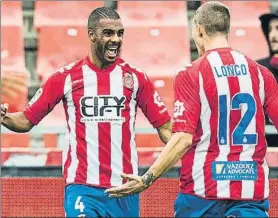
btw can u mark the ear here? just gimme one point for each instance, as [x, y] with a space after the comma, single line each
[91, 35]
[200, 30]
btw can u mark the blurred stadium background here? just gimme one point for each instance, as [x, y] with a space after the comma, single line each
[39, 37]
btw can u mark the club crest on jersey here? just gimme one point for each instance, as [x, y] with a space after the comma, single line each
[128, 81]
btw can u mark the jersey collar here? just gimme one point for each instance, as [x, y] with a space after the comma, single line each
[97, 69]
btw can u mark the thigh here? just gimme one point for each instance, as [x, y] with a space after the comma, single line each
[193, 206]
[124, 207]
[248, 209]
[78, 203]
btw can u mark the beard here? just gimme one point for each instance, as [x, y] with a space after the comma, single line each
[103, 55]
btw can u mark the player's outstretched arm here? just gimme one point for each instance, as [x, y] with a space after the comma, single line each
[165, 132]
[16, 122]
[170, 155]
[173, 151]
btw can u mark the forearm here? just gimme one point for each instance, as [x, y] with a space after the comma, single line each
[16, 122]
[165, 132]
[170, 155]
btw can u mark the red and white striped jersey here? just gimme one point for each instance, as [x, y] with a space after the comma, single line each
[100, 107]
[221, 99]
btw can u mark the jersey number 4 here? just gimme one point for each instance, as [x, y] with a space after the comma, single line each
[239, 137]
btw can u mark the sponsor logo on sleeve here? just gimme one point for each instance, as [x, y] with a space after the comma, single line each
[35, 97]
[178, 108]
[158, 99]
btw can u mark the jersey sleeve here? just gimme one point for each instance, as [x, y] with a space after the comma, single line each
[271, 97]
[45, 99]
[152, 104]
[187, 103]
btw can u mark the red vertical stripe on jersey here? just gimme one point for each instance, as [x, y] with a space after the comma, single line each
[187, 182]
[261, 147]
[68, 160]
[210, 184]
[104, 134]
[126, 149]
[81, 147]
[235, 117]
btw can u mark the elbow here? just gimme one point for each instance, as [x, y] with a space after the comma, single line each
[185, 140]
[29, 127]
[26, 128]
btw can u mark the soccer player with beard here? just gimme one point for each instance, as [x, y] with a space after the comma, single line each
[100, 94]
[219, 129]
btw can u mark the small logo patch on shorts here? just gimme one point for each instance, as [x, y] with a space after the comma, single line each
[234, 170]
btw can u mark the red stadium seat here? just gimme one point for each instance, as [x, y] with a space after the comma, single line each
[64, 13]
[247, 13]
[12, 51]
[11, 13]
[250, 41]
[159, 51]
[161, 13]
[59, 46]
[246, 34]
[12, 45]
[62, 36]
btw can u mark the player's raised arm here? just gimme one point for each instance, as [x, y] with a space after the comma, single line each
[154, 109]
[271, 97]
[40, 105]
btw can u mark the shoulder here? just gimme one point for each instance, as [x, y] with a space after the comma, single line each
[190, 70]
[73, 66]
[258, 65]
[266, 73]
[62, 73]
[131, 69]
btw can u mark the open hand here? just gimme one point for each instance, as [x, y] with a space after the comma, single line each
[133, 186]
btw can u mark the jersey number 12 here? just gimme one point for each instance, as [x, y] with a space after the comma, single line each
[239, 137]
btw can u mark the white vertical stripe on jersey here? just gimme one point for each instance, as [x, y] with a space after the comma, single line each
[245, 84]
[223, 187]
[266, 179]
[203, 145]
[91, 128]
[262, 95]
[116, 89]
[265, 165]
[132, 106]
[73, 142]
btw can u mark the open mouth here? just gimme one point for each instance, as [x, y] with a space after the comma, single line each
[112, 51]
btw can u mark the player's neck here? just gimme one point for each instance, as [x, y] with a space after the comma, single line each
[216, 42]
[97, 62]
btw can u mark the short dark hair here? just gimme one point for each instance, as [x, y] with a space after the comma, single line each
[101, 13]
[214, 17]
